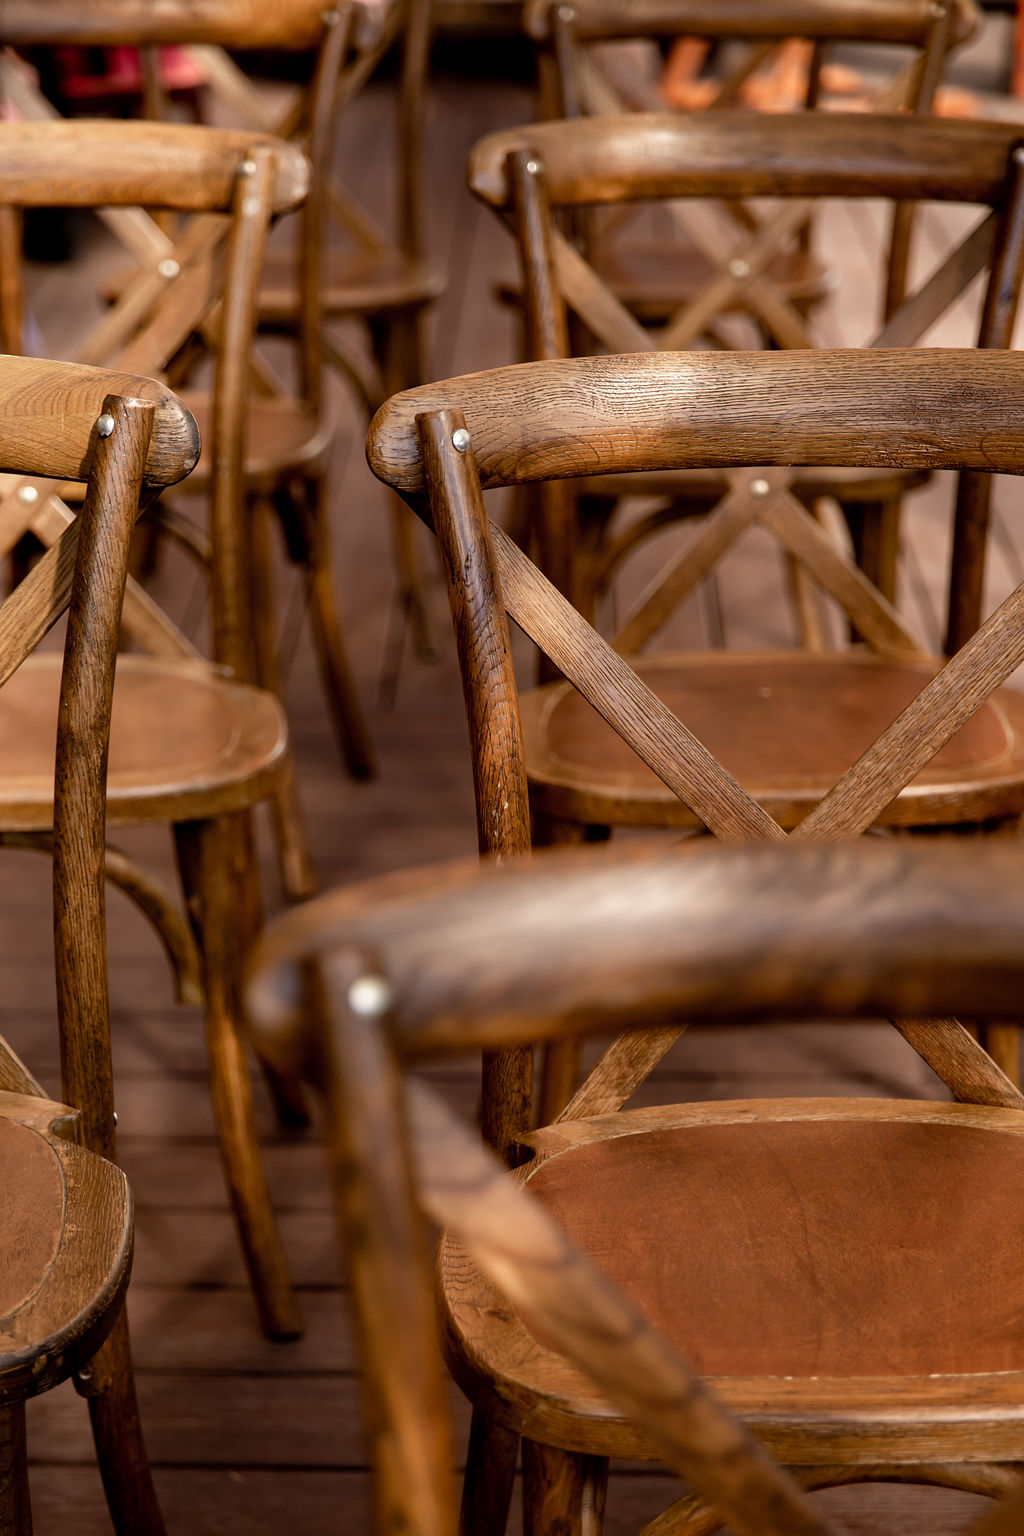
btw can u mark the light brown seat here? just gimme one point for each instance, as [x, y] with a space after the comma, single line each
[196, 745]
[846, 1272]
[663, 162]
[66, 1209]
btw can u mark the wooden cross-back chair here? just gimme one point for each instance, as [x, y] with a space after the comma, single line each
[528, 175]
[583, 73]
[196, 746]
[825, 744]
[288, 436]
[67, 1209]
[844, 1270]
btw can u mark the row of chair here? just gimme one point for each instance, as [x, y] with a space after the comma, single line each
[439, 447]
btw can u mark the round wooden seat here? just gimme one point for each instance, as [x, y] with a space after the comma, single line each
[787, 724]
[283, 436]
[185, 742]
[67, 1223]
[726, 1225]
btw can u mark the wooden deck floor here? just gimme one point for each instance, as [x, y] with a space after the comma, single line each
[256, 1439]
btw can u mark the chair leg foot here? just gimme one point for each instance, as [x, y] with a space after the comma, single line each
[490, 1478]
[210, 855]
[120, 1447]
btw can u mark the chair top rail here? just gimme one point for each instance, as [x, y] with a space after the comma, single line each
[91, 163]
[902, 21]
[236, 23]
[34, 392]
[919, 408]
[576, 941]
[643, 155]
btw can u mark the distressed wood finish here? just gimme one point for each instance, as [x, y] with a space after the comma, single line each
[68, 1215]
[192, 744]
[592, 940]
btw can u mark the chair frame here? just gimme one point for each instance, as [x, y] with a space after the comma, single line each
[127, 437]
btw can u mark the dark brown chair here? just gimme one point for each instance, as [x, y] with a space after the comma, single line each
[195, 746]
[586, 71]
[66, 1208]
[844, 1270]
[288, 437]
[921, 409]
[529, 175]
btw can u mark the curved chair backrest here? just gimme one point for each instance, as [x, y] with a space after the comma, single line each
[565, 32]
[110, 23]
[419, 967]
[126, 438]
[209, 172]
[442, 445]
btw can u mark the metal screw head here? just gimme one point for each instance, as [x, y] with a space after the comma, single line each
[738, 267]
[460, 439]
[247, 168]
[533, 167]
[759, 487]
[115, 1116]
[566, 13]
[169, 267]
[370, 996]
[28, 495]
[105, 425]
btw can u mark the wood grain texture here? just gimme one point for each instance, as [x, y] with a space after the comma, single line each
[585, 416]
[107, 23]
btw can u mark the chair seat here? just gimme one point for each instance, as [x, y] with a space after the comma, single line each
[725, 1224]
[354, 281]
[185, 743]
[67, 1223]
[283, 438]
[787, 724]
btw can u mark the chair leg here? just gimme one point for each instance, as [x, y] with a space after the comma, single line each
[212, 859]
[595, 1494]
[350, 726]
[15, 1510]
[552, 1491]
[490, 1477]
[297, 875]
[109, 1385]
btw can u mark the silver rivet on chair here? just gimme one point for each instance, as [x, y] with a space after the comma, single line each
[247, 168]
[738, 267]
[370, 996]
[460, 439]
[105, 425]
[169, 267]
[115, 1116]
[533, 167]
[759, 487]
[28, 495]
[566, 13]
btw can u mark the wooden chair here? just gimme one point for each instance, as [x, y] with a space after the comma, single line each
[529, 175]
[841, 1269]
[288, 437]
[586, 70]
[195, 746]
[67, 1208]
[775, 757]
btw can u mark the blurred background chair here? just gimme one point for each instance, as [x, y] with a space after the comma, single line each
[67, 1208]
[835, 1266]
[530, 176]
[195, 745]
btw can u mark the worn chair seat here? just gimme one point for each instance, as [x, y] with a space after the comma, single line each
[800, 1296]
[284, 437]
[67, 1221]
[185, 742]
[354, 281]
[787, 724]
